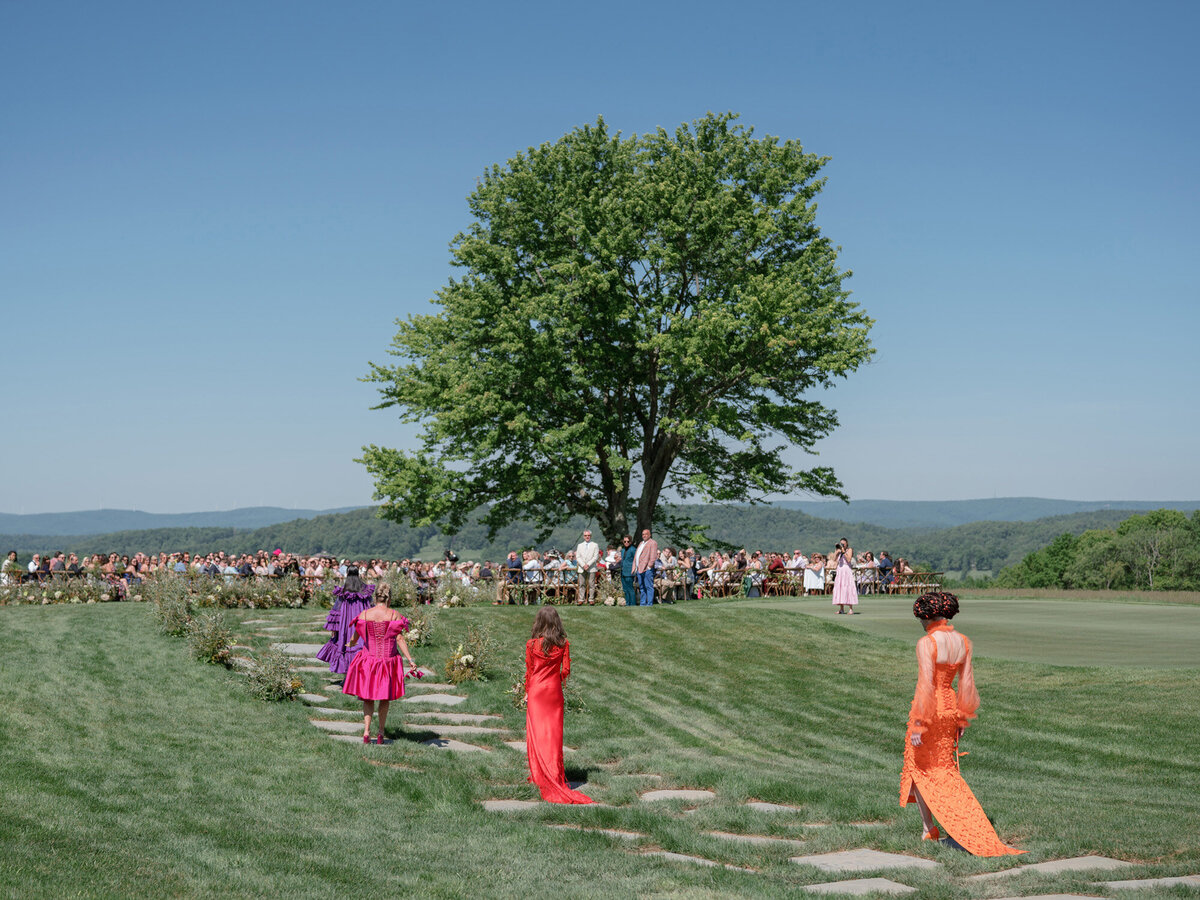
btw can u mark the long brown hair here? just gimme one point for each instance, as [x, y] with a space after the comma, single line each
[548, 626]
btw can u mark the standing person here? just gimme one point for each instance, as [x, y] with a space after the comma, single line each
[547, 666]
[628, 557]
[587, 556]
[935, 723]
[845, 591]
[349, 601]
[643, 568]
[376, 673]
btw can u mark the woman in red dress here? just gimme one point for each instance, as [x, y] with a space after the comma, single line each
[547, 665]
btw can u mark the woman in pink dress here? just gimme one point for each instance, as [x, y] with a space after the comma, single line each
[547, 665]
[845, 590]
[375, 673]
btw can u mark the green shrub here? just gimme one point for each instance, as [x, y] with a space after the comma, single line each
[210, 638]
[273, 678]
[473, 658]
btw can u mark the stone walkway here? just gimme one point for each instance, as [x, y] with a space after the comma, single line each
[449, 726]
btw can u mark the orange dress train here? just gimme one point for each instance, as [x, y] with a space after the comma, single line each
[544, 674]
[937, 715]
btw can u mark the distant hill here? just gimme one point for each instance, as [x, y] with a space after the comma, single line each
[948, 513]
[106, 521]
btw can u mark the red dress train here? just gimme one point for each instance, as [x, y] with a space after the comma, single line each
[544, 674]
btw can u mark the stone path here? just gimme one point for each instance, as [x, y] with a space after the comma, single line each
[339, 727]
[312, 698]
[458, 718]
[331, 711]
[450, 730]
[520, 747]
[1137, 883]
[1054, 866]
[510, 805]
[297, 649]
[857, 886]
[864, 860]
[439, 699]
[773, 807]
[451, 744]
[607, 832]
[758, 839]
[694, 860]
[655, 796]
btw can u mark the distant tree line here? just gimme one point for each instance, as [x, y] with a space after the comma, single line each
[978, 547]
[1157, 550]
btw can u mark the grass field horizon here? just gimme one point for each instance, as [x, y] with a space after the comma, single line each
[130, 769]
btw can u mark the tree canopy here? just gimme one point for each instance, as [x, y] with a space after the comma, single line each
[635, 315]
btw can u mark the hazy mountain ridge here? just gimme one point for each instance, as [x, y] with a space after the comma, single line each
[949, 513]
[106, 521]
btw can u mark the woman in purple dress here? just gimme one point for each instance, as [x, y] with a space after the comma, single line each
[845, 590]
[349, 600]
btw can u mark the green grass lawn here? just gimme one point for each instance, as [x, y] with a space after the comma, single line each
[129, 769]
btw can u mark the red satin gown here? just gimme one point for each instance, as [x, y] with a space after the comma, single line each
[544, 674]
[937, 714]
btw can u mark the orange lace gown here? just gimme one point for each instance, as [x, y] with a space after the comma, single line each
[932, 768]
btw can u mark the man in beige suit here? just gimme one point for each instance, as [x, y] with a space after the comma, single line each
[587, 555]
[643, 568]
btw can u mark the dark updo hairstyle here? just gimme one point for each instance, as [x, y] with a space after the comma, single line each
[936, 605]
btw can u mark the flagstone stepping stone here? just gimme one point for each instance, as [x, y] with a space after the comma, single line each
[655, 796]
[429, 685]
[1054, 897]
[862, 860]
[340, 727]
[454, 729]
[608, 832]
[844, 825]
[636, 775]
[425, 673]
[451, 744]
[297, 649]
[256, 621]
[773, 807]
[857, 886]
[312, 698]
[312, 668]
[440, 699]
[243, 647]
[1053, 866]
[761, 840]
[695, 860]
[1149, 882]
[242, 663]
[351, 738]
[274, 628]
[510, 805]
[459, 718]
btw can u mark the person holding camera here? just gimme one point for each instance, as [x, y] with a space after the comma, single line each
[845, 590]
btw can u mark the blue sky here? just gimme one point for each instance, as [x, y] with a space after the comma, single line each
[211, 215]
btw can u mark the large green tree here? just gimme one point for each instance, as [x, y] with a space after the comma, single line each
[635, 315]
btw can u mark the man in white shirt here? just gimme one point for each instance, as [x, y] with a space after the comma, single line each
[587, 555]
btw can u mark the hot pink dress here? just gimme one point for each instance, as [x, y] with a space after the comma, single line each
[376, 672]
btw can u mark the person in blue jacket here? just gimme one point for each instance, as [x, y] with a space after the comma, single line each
[628, 553]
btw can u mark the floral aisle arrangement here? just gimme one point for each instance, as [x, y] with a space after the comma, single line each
[472, 659]
[210, 638]
[65, 590]
[273, 678]
[420, 629]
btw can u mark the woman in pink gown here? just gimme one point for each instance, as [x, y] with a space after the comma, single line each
[376, 673]
[845, 589]
[547, 665]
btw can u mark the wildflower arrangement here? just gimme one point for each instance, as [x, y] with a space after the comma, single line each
[472, 658]
[420, 629]
[274, 678]
[453, 593]
[69, 590]
[173, 612]
[210, 638]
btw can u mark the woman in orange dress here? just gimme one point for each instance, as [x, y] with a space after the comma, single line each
[936, 722]
[547, 665]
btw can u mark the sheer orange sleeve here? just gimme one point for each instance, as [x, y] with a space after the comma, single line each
[566, 663]
[923, 703]
[968, 696]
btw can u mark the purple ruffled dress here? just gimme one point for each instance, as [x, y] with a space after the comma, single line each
[346, 608]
